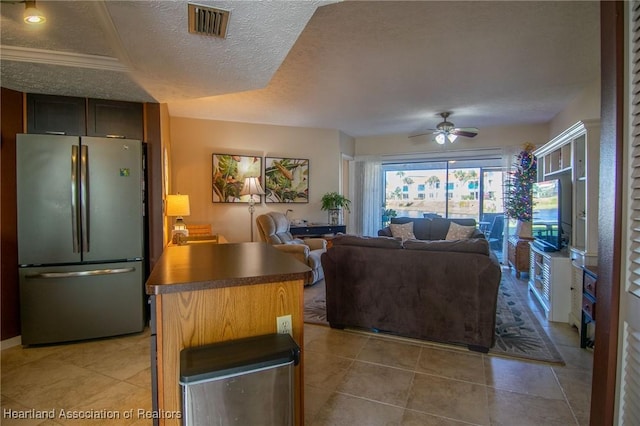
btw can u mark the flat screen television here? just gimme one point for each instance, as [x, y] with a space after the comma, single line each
[546, 223]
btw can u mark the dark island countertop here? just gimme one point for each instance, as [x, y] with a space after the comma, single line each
[208, 265]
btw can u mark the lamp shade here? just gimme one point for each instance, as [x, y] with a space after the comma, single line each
[251, 186]
[178, 205]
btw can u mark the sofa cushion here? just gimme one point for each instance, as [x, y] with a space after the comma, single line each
[472, 245]
[459, 232]
[354, 240]
[403, 231]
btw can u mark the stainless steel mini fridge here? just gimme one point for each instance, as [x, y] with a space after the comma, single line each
[240, 382]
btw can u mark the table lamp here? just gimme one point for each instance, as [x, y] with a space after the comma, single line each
[178, 206]
[251, 187]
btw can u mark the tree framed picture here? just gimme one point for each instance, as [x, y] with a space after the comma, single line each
[229, 172]
[286, 180]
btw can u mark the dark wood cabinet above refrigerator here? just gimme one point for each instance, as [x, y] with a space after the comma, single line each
[114, 119]
[57, 115]
[72, 116]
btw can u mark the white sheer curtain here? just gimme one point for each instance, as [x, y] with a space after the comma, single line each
[368, 199]
[508, 159]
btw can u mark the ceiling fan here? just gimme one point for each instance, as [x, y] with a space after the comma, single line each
[446, 131]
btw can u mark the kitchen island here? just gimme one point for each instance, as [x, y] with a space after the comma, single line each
[208, 293]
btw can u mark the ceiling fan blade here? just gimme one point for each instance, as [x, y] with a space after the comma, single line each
[468, 132]
[427, 132]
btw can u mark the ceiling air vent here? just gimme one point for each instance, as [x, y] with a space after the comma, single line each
[209, 21]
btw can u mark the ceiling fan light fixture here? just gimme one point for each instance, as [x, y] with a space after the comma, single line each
[446, 131]
[31, 13]
[442, 138]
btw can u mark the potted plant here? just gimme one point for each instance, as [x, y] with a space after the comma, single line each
[518, 202]
[387, 215]
[334, 203]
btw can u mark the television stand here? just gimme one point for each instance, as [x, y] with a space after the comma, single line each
[541, 245]
[550, 282]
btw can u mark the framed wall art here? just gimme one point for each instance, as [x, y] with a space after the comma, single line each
[229, 172]
[286, 180]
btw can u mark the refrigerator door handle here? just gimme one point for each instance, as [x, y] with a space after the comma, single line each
[84, 196]
[74, 199]
[81, 273]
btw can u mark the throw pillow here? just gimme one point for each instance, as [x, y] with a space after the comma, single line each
[459, 232]
[404, 231]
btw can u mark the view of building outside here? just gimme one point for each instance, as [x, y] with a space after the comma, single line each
[493, 196]
[455, 193]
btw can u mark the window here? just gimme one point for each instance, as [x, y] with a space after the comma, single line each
[466, 188]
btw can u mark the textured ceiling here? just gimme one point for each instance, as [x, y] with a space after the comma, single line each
[365, 68]
[161, 61]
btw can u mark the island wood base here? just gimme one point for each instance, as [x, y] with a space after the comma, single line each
[209, 293]
[201, 317]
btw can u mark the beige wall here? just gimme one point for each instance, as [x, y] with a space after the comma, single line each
[193, 141]
[165, 123]
[491, 137]
[585, 106]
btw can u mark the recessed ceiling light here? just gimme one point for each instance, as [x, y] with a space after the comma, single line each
[31, 14]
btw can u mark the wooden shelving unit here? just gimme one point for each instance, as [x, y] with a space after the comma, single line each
[573, 157]
[549, 281]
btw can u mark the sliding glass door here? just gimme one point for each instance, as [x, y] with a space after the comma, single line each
[460, 188]
[463, 192]
[455, 189]
[492, 221]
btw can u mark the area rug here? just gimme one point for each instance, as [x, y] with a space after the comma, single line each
[315, 311]
[518, 332]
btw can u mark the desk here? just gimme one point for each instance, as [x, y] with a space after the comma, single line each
[316, 230]
[208, 293]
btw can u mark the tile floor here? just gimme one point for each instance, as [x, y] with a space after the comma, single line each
[351, 378]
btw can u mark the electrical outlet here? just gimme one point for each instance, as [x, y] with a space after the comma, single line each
[284, 325]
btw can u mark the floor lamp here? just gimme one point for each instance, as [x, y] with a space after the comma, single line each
[251, 187]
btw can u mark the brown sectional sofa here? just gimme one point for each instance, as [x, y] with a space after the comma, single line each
[443, 291]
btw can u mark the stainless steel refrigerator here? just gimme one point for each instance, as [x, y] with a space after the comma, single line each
[80, 237]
